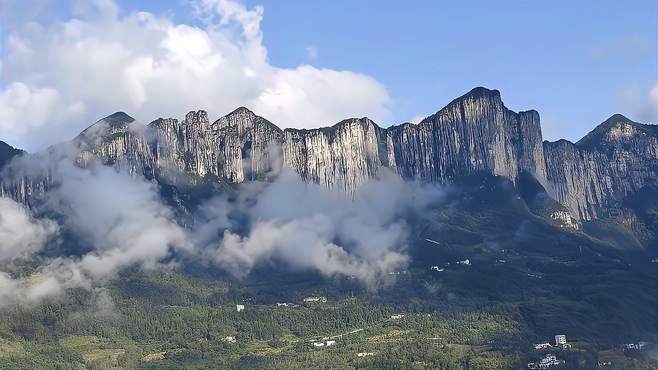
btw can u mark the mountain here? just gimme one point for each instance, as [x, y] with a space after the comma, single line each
[7, 152]
[530, 239]
[616, 159]
[474, 134]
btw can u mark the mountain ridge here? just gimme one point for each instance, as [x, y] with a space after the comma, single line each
[474, 133]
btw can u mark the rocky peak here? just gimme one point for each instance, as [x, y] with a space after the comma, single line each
[118, 119]
[198, 118]
[473, 103]
[591, 177]
[347, 125]
[7, 152]
[115, 123]
[615, 131]
[474, 134]
[243, 121]
[479, 93]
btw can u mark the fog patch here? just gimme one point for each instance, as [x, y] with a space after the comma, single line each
[21, 235]
[120, 221]
[308, 227]
[117, 218]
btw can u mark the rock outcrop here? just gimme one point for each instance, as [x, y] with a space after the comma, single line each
[473, 134]
[592, 176]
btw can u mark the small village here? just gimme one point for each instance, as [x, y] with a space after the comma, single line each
[550, 360]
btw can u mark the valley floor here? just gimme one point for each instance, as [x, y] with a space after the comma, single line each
[171, 320]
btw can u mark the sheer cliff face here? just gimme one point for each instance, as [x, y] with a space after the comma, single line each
[474, 134]
[238, 147]
[614, 160]
[343, 156]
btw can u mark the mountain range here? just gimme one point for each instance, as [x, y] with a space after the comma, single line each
[475, 134]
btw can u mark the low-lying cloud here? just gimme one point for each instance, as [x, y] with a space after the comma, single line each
[311, 228]
[120, 216]
[119, 220]
[20, 234]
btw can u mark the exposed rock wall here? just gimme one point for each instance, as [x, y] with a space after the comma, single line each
[473, 134]
[591, 176]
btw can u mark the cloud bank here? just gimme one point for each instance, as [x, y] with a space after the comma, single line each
[20, 234]
[117, 220]
[310, 228]
[59, 77]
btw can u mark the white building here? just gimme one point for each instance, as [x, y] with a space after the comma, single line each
[230, 339]
[239, 307]
[560, 340]
[639, 345]
[542, 345]
[324, 343]
[547, 362]
[397, 317]
[315, 299]
[364, 354]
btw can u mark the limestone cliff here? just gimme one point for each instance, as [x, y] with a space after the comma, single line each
[473, 134]
[592, 176]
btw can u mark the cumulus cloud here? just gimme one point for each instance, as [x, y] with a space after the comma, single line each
[59, 77]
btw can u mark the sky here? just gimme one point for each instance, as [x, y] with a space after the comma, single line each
[65, 64]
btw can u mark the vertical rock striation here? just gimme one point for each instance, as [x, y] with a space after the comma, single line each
[592, 176]
[474, 134]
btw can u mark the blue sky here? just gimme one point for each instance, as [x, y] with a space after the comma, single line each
[573, 61]
[576, 62]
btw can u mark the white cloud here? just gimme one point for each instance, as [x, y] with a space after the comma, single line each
[24, 109]
[119, 216]
[308, 227]
[417, 119]
[61, 77]
[20, 234]
[629, 48]
[653, 102]
[117, 219]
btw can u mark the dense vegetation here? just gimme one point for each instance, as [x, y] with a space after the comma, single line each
[527, 280]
